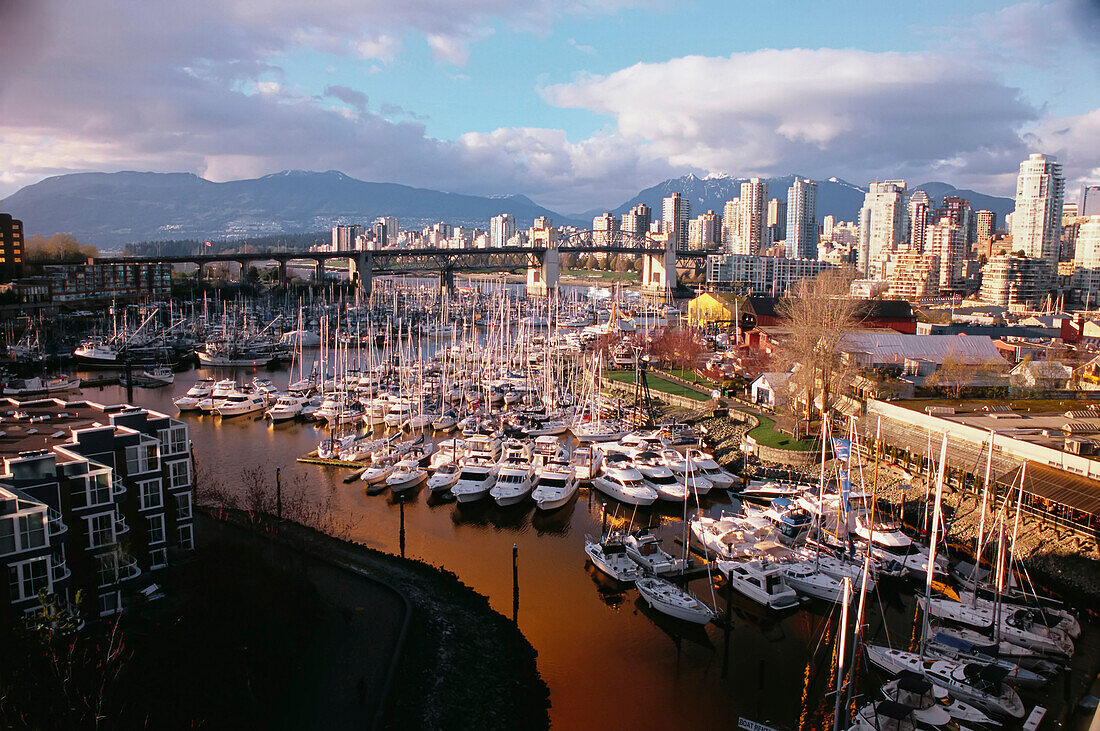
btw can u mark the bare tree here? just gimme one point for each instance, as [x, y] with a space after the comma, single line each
[955, 375]
[819, 312]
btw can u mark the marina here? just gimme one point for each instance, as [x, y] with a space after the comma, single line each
[576, 616]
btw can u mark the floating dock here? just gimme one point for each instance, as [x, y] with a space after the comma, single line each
[312, 458]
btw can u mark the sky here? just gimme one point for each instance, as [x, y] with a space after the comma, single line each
[577, 104]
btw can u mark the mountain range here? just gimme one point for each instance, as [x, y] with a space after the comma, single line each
[111, 209]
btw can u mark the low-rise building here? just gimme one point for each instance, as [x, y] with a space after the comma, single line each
[94, 500]
[759, 275]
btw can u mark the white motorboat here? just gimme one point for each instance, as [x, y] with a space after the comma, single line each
[645, 550]
[41, 386]
[475, 479]
[656, 474]
[189, 401]
[406, 474]
[155, 377]
[399, 412]
[945, 644]
[449, 450]
[811, 581]
[445, 477]
[768, 490]
[624, 483]
[670, 599]
[547, 449]
[762, 582]
[378, 471]
[285, 408]
[557, 484]
[974, 683]
[891, 544]
[710, 469]
[886, 715]
[515, 480]
[240, 403]
[1049, 616]
[729, 537]
[221, 390]
[587, 461]
[609, 556]
[687, 471]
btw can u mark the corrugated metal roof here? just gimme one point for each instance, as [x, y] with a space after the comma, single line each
[891, 347]
[1064, 488]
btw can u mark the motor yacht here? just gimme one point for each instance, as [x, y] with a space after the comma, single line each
[645, 550]
[189, 401]
[609, 556]
[378, 471]
[686, 471]
[657, 475]
[557, 484]
[587, 461]
[285, 408]
[406, 474]
[761, 581]
[515, 480]
[445, 477]
[623, 482]
[240, 403]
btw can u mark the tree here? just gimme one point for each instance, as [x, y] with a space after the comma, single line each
[677, 347]
[622, 264]
[58, 247]
[568, 261]
[819, 313]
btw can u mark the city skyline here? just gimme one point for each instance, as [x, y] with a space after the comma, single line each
[576, 105]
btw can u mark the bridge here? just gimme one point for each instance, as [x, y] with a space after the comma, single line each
[541, 261]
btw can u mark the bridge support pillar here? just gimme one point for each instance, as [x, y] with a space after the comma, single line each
[361, 271]
[283, 278]
[199, 273]
[543, 280]
[243, 275]
[319, 272]
[659, 273]
[446, 281]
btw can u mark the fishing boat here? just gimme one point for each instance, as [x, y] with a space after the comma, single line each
[41, 386]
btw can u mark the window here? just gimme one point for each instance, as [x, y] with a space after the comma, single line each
[106, 569]
[183, 506]
[156, 528]
[158, 558]
[174, 440]
[142, 458]
[109, 603]
[7, 535]
[179, 474]
[101, 530]
[29, 577]
[150, 495]
[187, 537]
[32, 530]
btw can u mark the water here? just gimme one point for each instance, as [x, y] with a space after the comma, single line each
[608, 661]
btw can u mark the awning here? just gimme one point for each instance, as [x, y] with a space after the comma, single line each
[1058, 486]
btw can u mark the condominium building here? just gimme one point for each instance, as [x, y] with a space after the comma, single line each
[802, 219]
[93, 499]
[637, 220]
[919, 206]
[731, 225]
[777, 219]
[827, 224]
[675, 214]
[501, 228]
[343, 238]
[1090, 201]
[1086, 262]
[754, 231]
[915, 276]
[759, 275]
[1037, 219]
[985, 226]
[1015, 282]
[882, 223]
[104, 282]
[604, 227]
[11, 248]
[947, 240]
[704, 231]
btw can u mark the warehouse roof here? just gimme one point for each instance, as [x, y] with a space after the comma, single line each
[892, 347]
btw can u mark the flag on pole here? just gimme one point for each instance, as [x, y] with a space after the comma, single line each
[207, 243]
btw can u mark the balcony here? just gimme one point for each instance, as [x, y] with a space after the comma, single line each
[54, 524]
[117, 488]
[120, 526]
[128, 568]
[59, 570]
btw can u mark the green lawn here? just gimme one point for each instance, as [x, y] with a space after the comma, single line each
[656, 383]
[769, 436]
[693, 377]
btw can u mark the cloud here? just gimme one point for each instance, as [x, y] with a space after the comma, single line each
[822, 112]
[383, 48]
[585, 49]
[349, 96]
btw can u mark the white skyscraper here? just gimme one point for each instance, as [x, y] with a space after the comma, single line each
[882, 223]
[731, 226]
[754, 211]
[802, 219]
[675, 214]
[920, 206]
[501, 228]
[1037, 220]
[343, 237]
